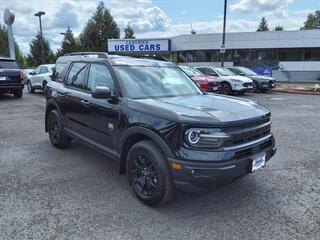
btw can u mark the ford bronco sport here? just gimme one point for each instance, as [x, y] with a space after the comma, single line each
[153, 118]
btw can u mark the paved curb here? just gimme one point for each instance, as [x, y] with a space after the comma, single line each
[297, 92]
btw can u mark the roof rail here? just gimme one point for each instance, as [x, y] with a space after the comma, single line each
[99, 54]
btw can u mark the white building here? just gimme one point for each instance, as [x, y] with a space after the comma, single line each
[296, 52]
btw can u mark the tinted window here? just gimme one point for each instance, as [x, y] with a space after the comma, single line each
[293, 54]
[99, 75]
[43, 70]
[76, 77]
[8, 64]
[203, 70]
[312, 54]
[211, 72]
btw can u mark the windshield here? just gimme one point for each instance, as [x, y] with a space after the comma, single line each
[224, 72]
[191, 72]
[156, 82]
[247, 71]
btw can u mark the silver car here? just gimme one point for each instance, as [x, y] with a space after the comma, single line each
[39, 78]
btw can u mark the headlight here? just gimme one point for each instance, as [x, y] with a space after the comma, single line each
[236, 80]
[205, 137]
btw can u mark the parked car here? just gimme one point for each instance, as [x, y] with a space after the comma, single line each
[39, 78]
[26, 73]
[230, 82]
[150, 116]
[262, 83]
[206, 83]
[11, 77]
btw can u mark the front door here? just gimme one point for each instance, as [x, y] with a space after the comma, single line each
[101, 116]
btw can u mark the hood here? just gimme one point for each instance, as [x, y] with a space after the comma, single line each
[201, 109]
[241, 78]
[261, 78]
[205, 78]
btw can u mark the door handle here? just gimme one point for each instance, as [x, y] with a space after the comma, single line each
[85, 103]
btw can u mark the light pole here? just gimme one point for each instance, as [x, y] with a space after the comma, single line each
[39, 14]
[8, 18]
[223, 47]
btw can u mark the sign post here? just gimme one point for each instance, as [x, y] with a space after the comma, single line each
[8, 18]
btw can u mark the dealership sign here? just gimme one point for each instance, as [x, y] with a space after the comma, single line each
[135, 45]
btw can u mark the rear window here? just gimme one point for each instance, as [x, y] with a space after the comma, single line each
[5, 64]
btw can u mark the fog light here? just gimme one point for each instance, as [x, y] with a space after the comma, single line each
[176, 166]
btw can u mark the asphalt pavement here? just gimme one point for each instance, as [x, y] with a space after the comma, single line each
[76, 193]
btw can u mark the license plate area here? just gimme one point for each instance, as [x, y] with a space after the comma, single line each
[258, 161]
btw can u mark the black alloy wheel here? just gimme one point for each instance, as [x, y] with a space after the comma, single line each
[149, 174]
[226, 88]
[57, 135]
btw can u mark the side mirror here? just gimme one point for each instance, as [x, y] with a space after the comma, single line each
[32, 73]
[241, 74]
[101, 93]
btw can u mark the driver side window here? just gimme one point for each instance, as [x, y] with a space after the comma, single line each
[99, 75]
[211, 72]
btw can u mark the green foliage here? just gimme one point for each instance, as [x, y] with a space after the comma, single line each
[278, 28]
[128, 31]
[263, 26]
[69, 44]
[313, 21]
[4, 47]
[35, 57]
[99, 28]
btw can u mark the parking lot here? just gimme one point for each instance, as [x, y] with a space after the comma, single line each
[77, 193]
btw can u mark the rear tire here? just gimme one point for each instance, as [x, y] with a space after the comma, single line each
[149, 174]
[44, 86]
[18, 93]
[57, 135]
[29, 87]
[226, 88]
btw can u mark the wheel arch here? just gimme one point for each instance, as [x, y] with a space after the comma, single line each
[51, 105]
[137, 134]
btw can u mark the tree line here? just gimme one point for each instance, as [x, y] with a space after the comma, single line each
[100, 27]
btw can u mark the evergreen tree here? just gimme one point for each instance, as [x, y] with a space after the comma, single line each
[313, 21]
[99, 28]
[278, 28]
[129, 33]
[4, 47]
[263, 26]
[68, 44]
[35, 57]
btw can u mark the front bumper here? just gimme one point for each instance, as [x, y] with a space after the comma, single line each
[198, 176]
[242, 87]
[266, 85]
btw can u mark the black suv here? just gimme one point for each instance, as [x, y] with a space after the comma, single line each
[150, 116]
[11, 77]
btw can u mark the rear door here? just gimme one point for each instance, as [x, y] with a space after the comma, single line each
[100, 116]
[73, 107]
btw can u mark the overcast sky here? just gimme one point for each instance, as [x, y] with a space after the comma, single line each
[154, 18]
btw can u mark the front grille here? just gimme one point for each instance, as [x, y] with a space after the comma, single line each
[252, 151]
[248, 84]
[249, 132]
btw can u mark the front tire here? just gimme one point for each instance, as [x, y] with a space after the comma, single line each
[149, 174]
[226, 88]
[29, 87]
[57, 135]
